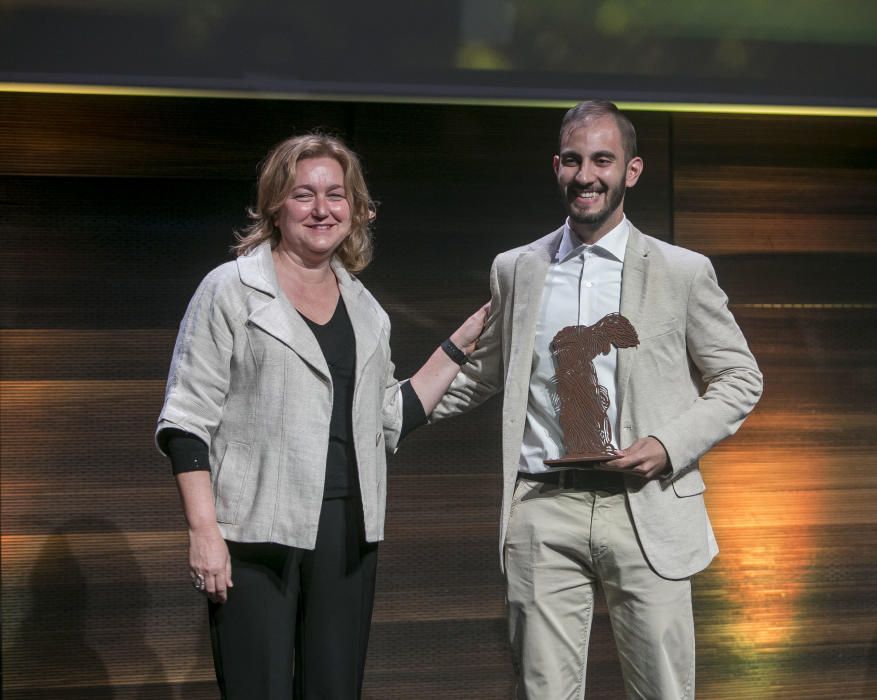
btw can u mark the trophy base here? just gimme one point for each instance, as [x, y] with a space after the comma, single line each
[583, 460]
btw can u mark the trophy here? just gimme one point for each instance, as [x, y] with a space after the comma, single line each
[580, 400]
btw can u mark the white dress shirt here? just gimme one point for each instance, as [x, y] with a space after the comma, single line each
[583, 284]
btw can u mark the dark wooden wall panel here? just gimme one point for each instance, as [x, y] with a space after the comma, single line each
[133, 137]
[774, 185]
[112, 209]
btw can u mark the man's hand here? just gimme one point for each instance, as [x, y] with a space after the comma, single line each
[645, 458]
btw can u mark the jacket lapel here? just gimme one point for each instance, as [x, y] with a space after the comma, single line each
[531, 267]
[634, 280]
[276, 316]
[530, 270]
[366, 325]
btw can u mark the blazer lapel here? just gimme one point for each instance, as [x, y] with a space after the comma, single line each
[366, 325]
[531, 268]
[277, 317]
[634, 278]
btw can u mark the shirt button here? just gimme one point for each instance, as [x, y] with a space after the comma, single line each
[589, 284]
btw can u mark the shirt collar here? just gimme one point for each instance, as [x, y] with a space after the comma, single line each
[612, 245]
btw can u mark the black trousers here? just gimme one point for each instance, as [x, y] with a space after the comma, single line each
[296, 622]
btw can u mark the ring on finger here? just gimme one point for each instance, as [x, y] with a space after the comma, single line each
[199, 582]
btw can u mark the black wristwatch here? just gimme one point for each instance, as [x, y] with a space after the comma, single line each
[452, 351]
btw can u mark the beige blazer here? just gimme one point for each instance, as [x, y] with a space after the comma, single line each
[688, 340]
[248, 378]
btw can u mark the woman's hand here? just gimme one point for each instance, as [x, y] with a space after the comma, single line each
[433, 379]
[209, 561]
[465, 336]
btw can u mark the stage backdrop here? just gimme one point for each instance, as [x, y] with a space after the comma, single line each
[113, 208]
[785, 52]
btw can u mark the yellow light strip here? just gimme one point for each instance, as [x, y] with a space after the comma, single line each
[712, 108]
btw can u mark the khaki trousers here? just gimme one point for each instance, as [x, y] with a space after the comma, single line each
[561, 543]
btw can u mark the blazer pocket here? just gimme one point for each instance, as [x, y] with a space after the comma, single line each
[658, 330]
[663, 356]
[231, 480]
[689, 484]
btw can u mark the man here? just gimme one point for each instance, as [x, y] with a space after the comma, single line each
[636, 525]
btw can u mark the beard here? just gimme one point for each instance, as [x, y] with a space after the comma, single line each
[614, 195]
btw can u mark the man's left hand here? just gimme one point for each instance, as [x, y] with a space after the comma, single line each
[645, 458]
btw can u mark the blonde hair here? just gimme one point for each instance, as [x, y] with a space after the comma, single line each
[275, 182]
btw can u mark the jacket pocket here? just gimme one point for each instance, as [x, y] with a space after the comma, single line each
[231, 481]
[664, 356]
[689, 484]
[660, 329]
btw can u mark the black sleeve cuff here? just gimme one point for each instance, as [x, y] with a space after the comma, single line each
[187, 452]
[413, 415]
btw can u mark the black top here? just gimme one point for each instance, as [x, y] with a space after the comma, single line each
[338, 344]
[339, 348]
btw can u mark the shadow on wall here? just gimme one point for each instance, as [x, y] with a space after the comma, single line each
[84, 635]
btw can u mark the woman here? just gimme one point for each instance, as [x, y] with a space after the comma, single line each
[280, 407]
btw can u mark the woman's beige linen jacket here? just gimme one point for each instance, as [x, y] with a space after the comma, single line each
[248, 378]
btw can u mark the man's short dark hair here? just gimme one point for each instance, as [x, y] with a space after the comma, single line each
[594, 109]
